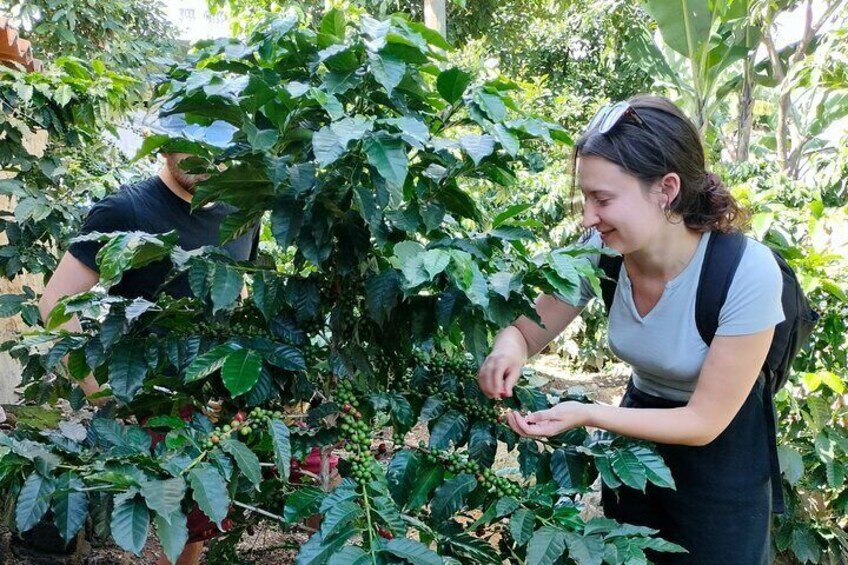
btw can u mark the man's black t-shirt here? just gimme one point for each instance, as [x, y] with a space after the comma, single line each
[150, 206]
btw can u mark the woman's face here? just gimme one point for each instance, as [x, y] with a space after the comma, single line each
[615, 203]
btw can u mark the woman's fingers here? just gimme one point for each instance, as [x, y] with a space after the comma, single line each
[537, 424]
[511, 375]
[491, 377]
[486, 379]
[512, 420]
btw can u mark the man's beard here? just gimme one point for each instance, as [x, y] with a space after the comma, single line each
[187, 181]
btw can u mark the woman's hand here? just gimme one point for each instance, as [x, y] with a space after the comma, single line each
[551, 422]
[500, 371]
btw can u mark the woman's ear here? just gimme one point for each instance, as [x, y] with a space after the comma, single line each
[669, 187]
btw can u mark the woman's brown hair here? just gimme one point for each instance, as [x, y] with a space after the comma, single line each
[667, 142]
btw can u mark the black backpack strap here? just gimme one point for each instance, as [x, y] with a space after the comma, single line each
[724, 251]
[611, 266]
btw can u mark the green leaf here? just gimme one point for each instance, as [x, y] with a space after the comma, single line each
[327, 146]
[521, 525]
[350, 555]
[130, 523]
[452, 83]
[791, 463]
[389, 513]
[585, 550]
[302, 503]
[546, 546]
[241, 370]
[333, 23]
[210, 492]
[317, 550]
[260, 140]
[655, 468]
[209, 362]
[164, 496]
[451, 496]
[473, 550]
[33, 501]
[424, 484]
[127, 369]
[482, 444]
[435, 261]
[246, 460]
[413, 551]
[352, 129]
[10, 304]
[448, 429]
[605, 470]
[172, 532]
[491, 104]
[805, 545]
[339, 516]
[130, 251]
[286, 221]
[226, 286]
[382, 292]
[628, 468]
[685, 25]
[568, 468]
[387, 70]
[282, 447]
[388, 156]
[508, 141]
[458, 202]
[402, 474]
[478, 147]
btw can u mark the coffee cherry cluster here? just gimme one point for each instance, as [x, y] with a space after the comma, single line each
[241, 424]
[357, 432]
[465, 369]
[457, 463]
[461, 367]
[472, 407]
[345, 395]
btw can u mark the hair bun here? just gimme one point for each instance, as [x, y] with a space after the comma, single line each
[712, 182]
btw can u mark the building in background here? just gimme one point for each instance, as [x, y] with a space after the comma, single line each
[194, 21]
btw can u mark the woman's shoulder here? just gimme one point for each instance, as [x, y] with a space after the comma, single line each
[758, 258]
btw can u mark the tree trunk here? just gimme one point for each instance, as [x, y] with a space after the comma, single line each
[435, 16]
[746, 111]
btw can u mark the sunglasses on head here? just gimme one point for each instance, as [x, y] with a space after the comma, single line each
[610, 115]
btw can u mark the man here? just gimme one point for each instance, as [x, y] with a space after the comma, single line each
[156, 205]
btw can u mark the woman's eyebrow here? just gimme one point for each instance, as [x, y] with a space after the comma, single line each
[593, 191]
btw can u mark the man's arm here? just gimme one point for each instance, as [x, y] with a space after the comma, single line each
[70, 277]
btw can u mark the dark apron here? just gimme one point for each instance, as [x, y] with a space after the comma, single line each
[721, 509]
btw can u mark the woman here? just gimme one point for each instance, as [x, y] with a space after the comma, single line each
[640, 166]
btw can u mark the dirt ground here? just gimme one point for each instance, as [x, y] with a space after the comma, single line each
[268, 545]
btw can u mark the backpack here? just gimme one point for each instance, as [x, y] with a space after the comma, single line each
[724, 251]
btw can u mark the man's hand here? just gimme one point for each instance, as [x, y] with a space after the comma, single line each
[550, 422]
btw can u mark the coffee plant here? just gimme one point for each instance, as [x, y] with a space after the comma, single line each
[52, 157]
[369, 156]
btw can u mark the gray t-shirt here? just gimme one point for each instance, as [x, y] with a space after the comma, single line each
[664, 347]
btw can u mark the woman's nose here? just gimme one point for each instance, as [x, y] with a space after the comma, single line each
[590, 218]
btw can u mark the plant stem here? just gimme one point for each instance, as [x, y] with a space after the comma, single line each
[197, 460]
[259, 511]
[370, 525]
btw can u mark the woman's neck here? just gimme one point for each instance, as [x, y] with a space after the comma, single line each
[666, 256]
